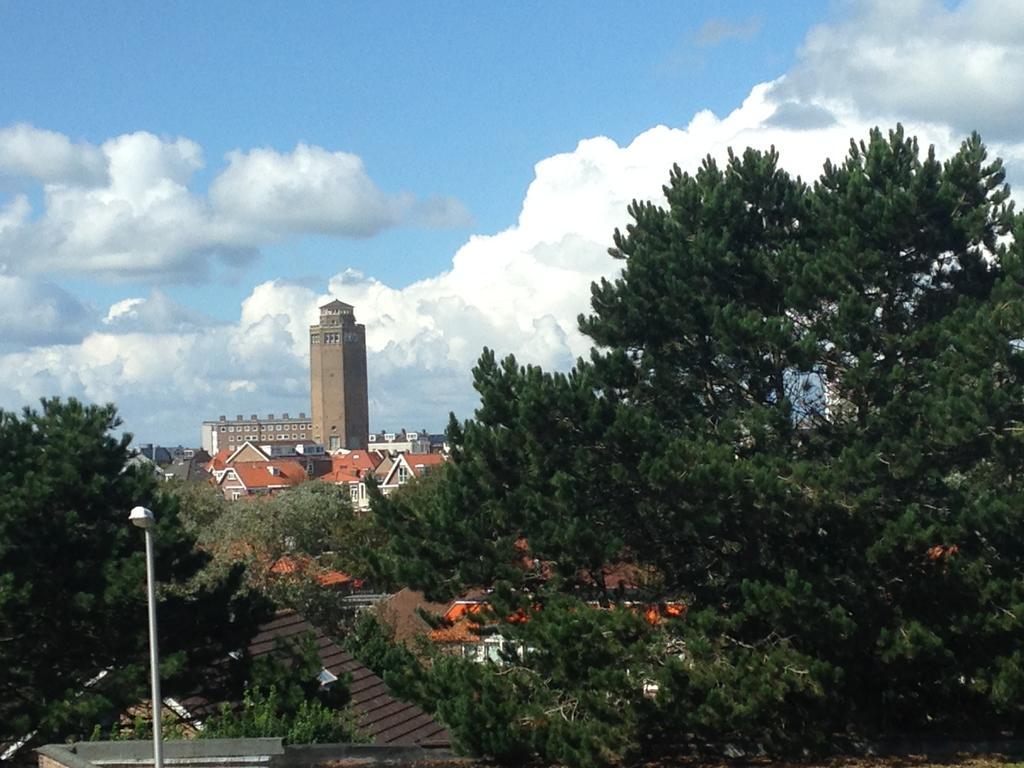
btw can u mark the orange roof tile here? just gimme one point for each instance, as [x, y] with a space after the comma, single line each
[219, 460]
[365, 460]
[462, 608]
[462, 631]
[326, 577]
[423, 460]
[279, 473]
[339, 476]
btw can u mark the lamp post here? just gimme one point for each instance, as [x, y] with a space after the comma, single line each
[144, 519]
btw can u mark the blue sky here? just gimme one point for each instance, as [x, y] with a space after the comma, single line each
[435, 149]
[453, 99]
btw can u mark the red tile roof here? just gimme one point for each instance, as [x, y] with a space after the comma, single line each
[219, 461]
[340, 476]
[279, 473]
[351, 467]
[463, 631]
[326, 577]
[417, 461]
[357, 460]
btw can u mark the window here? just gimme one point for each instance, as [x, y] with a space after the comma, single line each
[403, 473]
[223, 429]
[231, 429]
[314, 339]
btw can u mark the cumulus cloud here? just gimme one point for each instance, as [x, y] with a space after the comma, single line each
[920, 60]
[142, 221]
[126, 209]
[36, 312]
[518, 290]
[313, 190]
[156, 314]
[48, 156]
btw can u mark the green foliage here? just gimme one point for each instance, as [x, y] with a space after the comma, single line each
[804, 418]
[284, 698]
[314, 526]
[139, 727]
[73, 632]
[263, 714]
[200, 505]
[372, 643]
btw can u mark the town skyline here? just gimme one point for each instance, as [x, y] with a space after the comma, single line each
[167, 237]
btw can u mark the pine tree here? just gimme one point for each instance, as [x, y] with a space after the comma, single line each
[73, 637]
[803, 418]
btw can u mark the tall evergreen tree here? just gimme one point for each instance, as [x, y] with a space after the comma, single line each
[73, 637]
[803, 418]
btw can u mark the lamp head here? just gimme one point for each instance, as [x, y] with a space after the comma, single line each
[142, 517]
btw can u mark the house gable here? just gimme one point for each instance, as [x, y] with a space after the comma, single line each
[247, 451]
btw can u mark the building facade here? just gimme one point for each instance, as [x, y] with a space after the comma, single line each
[400, 442]
[338, 385]
[232, 433]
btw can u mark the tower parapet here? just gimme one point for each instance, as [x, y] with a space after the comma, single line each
[338, 382]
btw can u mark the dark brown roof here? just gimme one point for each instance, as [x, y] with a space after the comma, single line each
[401, 612]
[385, 719]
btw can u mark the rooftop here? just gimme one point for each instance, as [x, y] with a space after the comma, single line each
[240, 753]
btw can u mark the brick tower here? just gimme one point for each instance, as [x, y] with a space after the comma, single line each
[337, 372]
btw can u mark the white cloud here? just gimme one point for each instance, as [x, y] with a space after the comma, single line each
[156, 314]
[921, 61]
[519, 290]
[127, 210]
[307, 190]
[48, 156]
[36, 312]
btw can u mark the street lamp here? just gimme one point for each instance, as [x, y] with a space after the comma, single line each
[144, 519]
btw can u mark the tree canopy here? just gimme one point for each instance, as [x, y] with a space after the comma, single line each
[803, 418]
[73, 631]
[310, 529]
